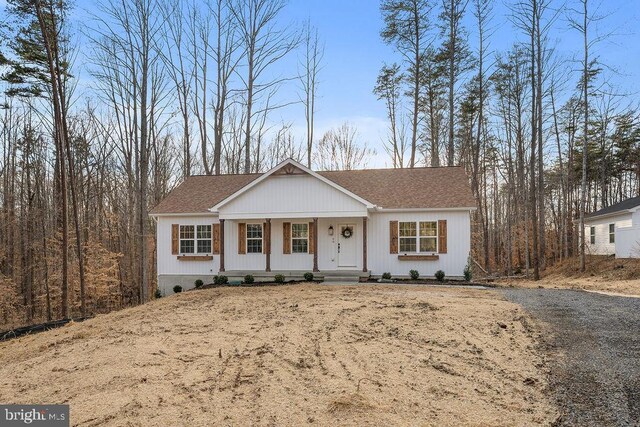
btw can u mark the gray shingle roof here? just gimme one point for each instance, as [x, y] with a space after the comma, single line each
[618, 207]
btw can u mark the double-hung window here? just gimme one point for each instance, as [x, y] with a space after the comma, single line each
[203, 239]
[195, 239]
[418, 236]
[254, 238]
[187, 239]
[300, 238]
[592, 235]
[428, 236]
[612, 233]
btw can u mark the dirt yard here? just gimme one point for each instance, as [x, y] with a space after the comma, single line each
[603, 274]
[291, 355]
[599, 284]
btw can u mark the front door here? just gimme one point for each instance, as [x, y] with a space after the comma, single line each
[347, 245]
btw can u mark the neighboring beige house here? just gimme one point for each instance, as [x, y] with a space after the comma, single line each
[291, 220]
[615, 230]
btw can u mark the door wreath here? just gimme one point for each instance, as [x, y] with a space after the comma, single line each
[347, 232]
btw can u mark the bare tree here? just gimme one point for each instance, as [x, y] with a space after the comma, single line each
[176, 17]
[226, 61]
[339, 149]
[264, 44]
[283, 146]
[311, 65]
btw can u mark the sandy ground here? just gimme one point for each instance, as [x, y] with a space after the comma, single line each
[291, 355]
[596, 283]
[604, 274]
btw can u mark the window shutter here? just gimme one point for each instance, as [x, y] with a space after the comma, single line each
[393, 237]
[215, 237]
[242, 238]
[442, 236]
[286, 237]
[175, 239]
[312, 238]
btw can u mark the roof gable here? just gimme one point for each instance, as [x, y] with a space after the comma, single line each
[288, 167]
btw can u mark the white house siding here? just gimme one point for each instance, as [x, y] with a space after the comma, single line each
[602, 245]
[452, 263]
[172, 271]
[628, 242]
[292, 196]
[327, 246]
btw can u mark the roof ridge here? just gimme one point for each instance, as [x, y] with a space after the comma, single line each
[334, 171]
[204, 175]
[395, 169]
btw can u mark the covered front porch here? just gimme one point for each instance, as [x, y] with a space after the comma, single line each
[263, 247]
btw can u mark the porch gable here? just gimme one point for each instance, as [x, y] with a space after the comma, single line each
[291, 191]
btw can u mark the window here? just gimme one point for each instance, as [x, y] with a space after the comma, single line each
[187, 241]
[612, 233]
[195, 239]
[204, 239]
[407, 237]
[418, 236]
[592, 235]
[300, 238]
[254, 238]
[429, 236]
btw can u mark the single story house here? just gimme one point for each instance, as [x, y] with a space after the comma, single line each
[340, 225]
[614, 230]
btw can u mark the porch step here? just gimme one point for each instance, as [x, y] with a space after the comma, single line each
[345, 276]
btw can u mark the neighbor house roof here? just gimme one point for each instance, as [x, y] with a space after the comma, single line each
[622, 207]
[415, 188]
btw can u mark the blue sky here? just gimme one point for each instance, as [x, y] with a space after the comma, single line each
[354, 54]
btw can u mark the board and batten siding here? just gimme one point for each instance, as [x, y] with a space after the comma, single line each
[327, 246]
[292, 196]
[172, 271]
[602, 245]
[452, 263]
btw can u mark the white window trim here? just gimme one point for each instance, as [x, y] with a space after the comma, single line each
[417, 238]
[195, 239]
[592, 235]
[299, 238]
[612, 233]
[247, 238]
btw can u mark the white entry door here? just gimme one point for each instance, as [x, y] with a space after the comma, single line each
[347, 245]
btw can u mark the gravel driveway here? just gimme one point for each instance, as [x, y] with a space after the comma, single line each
[598, 383]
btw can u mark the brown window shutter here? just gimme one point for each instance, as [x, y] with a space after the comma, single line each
[393, 237]
[242, 238]
[286, 237]
[442, 236]
[175, 239]
[312, 238]
[215, 237]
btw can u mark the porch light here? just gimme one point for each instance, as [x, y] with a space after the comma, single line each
[331, 230]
